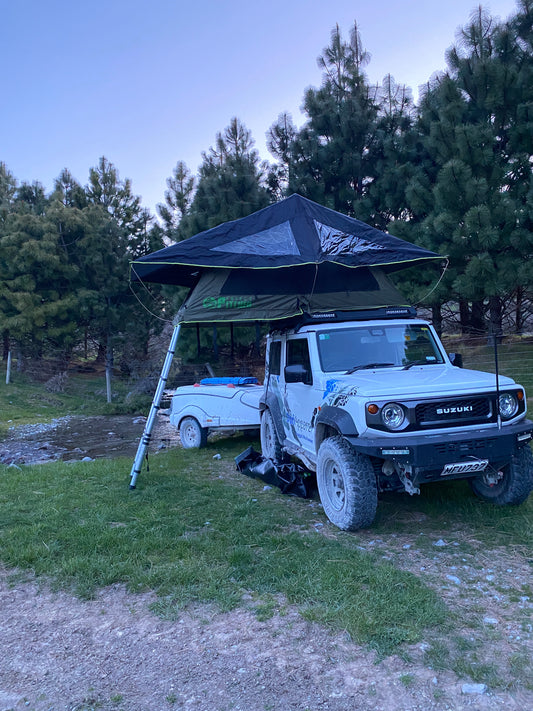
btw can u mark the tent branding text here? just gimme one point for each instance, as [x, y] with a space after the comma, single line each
[224, 302]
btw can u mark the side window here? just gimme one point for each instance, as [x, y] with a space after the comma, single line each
[274, 358]
[298, 354]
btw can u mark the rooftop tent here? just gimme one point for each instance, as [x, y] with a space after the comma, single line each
[237, 295]
[290, 257]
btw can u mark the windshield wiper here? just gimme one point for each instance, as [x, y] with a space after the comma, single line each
[368, 366]
[416, 362]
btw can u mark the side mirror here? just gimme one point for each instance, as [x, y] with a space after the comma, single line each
[456, 359]
[297, 374]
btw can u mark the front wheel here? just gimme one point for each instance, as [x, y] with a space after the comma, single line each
[346, 484]
[192, 435]
[511, 485]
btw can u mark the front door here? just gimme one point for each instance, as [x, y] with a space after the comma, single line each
[300, 397]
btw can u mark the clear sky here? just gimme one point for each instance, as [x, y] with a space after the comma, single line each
[150, 82]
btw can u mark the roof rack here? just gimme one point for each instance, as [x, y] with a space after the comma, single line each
[382, 312]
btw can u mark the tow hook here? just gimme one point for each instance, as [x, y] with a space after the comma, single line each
[404, 472]
[492, 476]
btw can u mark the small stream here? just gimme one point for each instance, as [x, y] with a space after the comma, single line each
[76, 438]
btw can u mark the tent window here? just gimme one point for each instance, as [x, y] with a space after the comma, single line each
[335, 242]
[275, 241]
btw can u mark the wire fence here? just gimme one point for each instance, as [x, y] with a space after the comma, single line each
[515, 360]
[514, 354]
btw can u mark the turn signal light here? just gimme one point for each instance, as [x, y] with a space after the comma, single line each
[373, 409]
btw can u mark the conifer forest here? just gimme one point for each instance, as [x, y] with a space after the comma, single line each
[452, 172]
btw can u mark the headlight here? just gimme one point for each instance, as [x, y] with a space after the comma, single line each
[508, 405]
[393, 416]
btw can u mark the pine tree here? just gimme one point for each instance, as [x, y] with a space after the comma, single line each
[330, 153]
[178, 198]
[230, 182]
[117, 232]
[468, 194]
[37, 281]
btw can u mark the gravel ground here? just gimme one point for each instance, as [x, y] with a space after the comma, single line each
[61, 653]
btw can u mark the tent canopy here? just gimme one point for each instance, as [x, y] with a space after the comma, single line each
[290, 257]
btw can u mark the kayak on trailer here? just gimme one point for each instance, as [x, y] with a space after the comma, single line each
[218, 404]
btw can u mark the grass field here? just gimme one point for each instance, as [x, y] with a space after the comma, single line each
[195, 530]
[198, 531]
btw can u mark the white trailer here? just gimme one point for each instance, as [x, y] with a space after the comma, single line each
[221, 404]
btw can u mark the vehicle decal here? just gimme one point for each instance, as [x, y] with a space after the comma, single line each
[331, 387]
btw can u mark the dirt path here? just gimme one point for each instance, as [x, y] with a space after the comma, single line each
[61, 653]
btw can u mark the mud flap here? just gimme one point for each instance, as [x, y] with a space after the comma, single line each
[292, 479]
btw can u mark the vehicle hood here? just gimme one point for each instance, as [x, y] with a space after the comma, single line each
[418, 381]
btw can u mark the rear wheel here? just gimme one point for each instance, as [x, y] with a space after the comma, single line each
[192, 435]
[346, 484]
[270, 444]
[511, 485]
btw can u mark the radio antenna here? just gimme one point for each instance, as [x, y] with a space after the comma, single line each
[495, 343]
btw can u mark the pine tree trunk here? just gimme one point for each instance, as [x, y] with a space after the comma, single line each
[101, 355]
[477, 319]
[436, 317]
[464, 315]
[5, 338]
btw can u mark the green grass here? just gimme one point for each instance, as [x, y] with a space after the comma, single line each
[451, 511]
[192, 536]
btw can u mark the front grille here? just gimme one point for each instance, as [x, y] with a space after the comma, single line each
[468, 447]
[450, 413]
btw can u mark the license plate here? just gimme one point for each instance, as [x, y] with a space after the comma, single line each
[465, 467]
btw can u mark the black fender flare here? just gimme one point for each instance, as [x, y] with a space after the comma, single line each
[336, 418]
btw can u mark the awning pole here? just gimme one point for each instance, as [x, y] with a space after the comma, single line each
[147, 434]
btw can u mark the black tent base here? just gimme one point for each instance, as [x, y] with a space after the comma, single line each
[292, 479]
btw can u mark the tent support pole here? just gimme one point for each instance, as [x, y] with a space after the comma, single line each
[147, 434]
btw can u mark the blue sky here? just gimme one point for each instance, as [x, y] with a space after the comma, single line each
[150, 82]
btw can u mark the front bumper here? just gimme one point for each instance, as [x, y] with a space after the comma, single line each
[427, 454]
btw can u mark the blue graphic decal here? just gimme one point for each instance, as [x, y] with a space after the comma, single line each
[331, 387]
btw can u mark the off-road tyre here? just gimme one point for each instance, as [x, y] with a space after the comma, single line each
[192, 435]
[515, 485]
[270, 444]
[346, 484]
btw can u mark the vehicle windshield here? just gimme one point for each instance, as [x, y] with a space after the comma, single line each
[389, 345]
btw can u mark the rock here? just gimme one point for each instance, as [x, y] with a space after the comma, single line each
[217, 456]
[440, 543]
[473, 688]
[490, 620]
[453, 579]
[87, 459]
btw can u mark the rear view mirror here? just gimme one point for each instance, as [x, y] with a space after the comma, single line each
[456, 359]
[297, 374]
